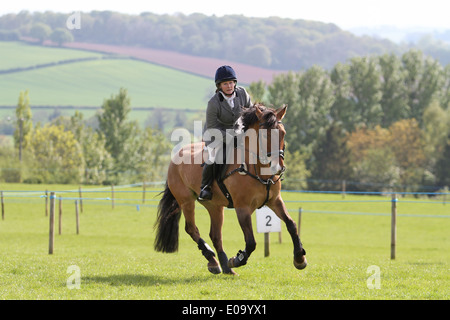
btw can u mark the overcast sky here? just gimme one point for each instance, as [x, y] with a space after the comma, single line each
[344, 13]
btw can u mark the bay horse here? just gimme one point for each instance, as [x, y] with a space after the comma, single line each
[248, 188]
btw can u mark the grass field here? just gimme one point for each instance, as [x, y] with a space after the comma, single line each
[115, 256]
[88, 83]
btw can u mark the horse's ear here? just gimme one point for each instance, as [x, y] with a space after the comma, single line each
[258, 112]
[281, 112]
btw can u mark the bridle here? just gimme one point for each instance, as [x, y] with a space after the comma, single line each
[243, 170]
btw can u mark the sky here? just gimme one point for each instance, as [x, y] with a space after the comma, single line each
[344, 13]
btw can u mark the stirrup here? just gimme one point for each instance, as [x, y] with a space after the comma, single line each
[205, 194]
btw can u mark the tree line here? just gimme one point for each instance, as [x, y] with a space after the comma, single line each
[68, 150]
[276, 43]
[377, 121]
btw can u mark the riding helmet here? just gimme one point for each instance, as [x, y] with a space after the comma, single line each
[225, 73]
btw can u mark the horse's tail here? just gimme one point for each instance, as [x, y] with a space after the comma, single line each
[167, 223]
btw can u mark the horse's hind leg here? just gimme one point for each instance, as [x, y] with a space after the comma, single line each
[190, 227]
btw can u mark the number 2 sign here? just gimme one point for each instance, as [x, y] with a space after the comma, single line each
[267, 221]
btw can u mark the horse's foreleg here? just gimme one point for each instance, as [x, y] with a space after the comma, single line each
[299, 253]
[216, 215]
[245, 221]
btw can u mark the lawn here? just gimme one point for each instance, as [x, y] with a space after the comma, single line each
[115, 258]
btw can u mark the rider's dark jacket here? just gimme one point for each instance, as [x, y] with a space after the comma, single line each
[220, 115]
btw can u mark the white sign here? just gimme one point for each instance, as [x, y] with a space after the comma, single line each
[267, 221]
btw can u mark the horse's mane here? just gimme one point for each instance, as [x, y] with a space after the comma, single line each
[248, 118]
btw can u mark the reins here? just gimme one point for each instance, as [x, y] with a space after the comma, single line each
[242, 169]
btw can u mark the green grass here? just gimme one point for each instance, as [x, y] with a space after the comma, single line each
[23, 55]
[88, 83]
[114, 251]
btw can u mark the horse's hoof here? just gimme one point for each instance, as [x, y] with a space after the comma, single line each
[231, 272]
[214, 269]
[301, 265]
[230, 263]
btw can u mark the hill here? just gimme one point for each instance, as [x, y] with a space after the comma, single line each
[274, 43]
[84, 82]
[201, 66]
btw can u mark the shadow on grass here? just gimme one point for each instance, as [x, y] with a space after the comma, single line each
[144, 280]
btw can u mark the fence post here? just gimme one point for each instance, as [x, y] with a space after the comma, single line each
[393, 225]
[77, 217]
[52, 223]
[143, 192]
[266, 244]
[81, 199]
[344, 187]
[299, 220]
[3, 207]
[46, 203]
[112, 196]
[60, 216]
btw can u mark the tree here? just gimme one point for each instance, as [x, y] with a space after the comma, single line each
[40, 31]
[121, 136]
[113, 125]
[296, 172]
[283, 90]
[366, 93]
[342, 108]
[330, 160]
[423, 77]
[315, 98]
[394, 99]
[408, 146]
[24, 123]
[443, 167]
[60, 36]
[257, 91]
[152, 155]
[56, 154]
[97, 161]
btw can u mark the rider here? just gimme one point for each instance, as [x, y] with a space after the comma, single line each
[223, 110]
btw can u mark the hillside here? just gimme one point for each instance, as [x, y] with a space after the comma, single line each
[273, 43]
[84, 82]
[201, 66]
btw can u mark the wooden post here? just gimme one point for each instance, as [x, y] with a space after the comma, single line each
[344, 187]
[143, 192]
[77, 217]
[299, 220]
[266, 244]
[60, 216]
[81, 199]
[52, 223]
[112, 196]
[393, 225]
[3, 207]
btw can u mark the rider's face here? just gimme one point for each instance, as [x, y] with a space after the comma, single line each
[227, 87]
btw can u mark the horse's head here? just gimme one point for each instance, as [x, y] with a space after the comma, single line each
[270, 132]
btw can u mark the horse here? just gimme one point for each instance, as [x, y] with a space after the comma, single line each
[249, 185]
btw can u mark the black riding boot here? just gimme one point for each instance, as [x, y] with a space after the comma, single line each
[207, 179]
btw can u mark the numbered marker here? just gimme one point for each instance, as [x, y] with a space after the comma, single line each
[267, 221]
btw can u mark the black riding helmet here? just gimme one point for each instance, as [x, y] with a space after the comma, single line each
[225, 73]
